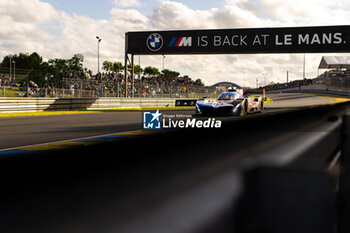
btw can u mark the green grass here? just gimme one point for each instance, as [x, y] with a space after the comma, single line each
[10, 92]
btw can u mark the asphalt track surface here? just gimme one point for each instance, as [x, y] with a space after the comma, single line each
[33, 130]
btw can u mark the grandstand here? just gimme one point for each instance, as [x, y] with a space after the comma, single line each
[337, 71]
[108, 84]
[334, 62]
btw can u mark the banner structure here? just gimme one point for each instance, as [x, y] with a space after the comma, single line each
[234, 41]
[320, 39]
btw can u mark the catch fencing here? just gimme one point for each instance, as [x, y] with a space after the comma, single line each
[83, 93]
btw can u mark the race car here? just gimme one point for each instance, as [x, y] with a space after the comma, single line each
[232, 102]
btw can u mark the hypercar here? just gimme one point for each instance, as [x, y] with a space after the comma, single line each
[232, 102]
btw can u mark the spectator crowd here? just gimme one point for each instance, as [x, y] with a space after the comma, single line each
[338, 77]
[7, 80]
[113, 84]
[280, 86]
[109, 84]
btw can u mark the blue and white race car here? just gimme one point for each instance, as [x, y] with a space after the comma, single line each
[232, 102]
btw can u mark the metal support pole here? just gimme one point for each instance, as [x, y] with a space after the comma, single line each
[81, 89]
[98, 55]
[132, 75]
[126, 65]
[14, 72]
[27, 83]
[126, 74]
[10, 66]
[304, 67]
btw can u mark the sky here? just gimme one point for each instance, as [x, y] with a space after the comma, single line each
[62, 28]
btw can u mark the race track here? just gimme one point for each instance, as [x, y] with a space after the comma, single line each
[32, 130]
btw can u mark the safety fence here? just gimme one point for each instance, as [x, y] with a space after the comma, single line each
[83, 93]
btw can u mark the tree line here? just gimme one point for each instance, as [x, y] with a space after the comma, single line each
[149, 71]
[41, 71]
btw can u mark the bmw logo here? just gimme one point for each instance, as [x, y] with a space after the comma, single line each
[154, 42]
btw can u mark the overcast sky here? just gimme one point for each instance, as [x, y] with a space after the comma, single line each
[62, 28]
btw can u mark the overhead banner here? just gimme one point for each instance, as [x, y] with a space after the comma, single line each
[323, 39]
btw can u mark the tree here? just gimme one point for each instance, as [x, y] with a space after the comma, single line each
[198, 82]
[186, 78]
[73, 64]
[117, 67]
[35, 60]
[107, 66]
[151, 71]
[170, 74]
[46, 68]
[23, 60]
[59, 64]
[76, 63]
[138, 69]
[112, 66]
[38, 77]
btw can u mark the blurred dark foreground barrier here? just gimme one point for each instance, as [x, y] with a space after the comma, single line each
[278, 172]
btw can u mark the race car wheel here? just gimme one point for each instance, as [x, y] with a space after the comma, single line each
[243, 109]
[242, 113]
[261, 107]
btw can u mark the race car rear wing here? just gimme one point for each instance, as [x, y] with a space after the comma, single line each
[234, 89]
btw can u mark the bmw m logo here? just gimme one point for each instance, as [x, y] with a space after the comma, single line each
[154, 42]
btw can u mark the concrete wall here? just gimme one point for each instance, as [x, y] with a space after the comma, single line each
[41, 104]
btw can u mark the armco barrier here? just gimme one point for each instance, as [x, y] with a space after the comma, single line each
[41, 104]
